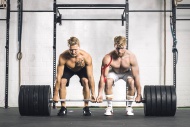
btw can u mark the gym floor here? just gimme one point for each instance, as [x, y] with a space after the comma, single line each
[11, 118]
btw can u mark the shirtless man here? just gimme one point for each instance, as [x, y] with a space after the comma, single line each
[74, 61]
[119, 64]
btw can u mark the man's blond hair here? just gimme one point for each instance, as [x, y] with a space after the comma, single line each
[120, 41]
[73, 41]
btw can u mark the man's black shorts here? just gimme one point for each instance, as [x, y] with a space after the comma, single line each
[68, 73]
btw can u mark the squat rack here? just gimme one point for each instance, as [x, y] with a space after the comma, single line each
[124, 17]
[173, 31]
[58, 19]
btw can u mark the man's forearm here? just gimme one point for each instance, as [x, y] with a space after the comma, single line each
[138, 87]
[101, 86]
[92, 85]
[57, 85]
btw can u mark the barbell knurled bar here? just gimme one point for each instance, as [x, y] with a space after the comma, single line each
[88, 100]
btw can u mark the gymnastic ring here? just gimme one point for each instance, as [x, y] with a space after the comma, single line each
[19, 55]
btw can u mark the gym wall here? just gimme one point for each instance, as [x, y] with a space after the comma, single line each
[146, 41]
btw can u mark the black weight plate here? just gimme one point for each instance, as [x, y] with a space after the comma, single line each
[47, 104]
[164, 101]
[168, 97]
[147, 104]
[30, 100]
[148, 101]
[158, 101]
[20, 101]
[35, 100]
[26, 106]
[174, 100]
[153, 100]
[50, 104]
[41, 100]
[145, 96]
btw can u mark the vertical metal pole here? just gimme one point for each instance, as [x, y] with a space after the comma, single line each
[54, 46]
[127, 22]
[127, 29]
[174, 41]
[19, 54]
[20, 9]
[164, 42]
[7, 54]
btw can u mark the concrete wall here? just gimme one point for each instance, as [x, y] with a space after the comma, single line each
[146, 40]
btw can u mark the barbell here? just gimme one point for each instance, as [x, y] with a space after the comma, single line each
[35, 100]
[88, 100]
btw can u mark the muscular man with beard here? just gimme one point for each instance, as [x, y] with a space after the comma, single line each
[74, 61]
[119, 64]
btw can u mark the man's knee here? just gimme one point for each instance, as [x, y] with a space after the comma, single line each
[84, 82]
[109, 83]
[130, 83]
[63, 83]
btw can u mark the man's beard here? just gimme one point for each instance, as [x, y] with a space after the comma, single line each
[73, 55]
[120, 54]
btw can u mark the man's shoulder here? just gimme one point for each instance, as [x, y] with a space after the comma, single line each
[132, 57]
[85, 54]
[107, 58]
[109, 55]
[64, 55]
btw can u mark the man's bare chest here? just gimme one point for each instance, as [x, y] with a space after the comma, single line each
[75, 64]
[120, 65]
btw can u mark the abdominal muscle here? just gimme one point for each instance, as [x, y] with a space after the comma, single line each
[119, 70]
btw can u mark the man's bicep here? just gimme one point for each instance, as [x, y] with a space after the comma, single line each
[105, 70]
[105, 65]
[89, 69]
[105, 61]
[135, 71]
[61, 65]
[135, 67]
[88, 60]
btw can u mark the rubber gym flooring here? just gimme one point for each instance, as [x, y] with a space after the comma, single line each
[11, 118]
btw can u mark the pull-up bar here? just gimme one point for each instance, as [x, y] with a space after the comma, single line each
[96, 19]
[95, 8]
[183, 19]
[90, 8]
[90, 5]
[183, 5]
